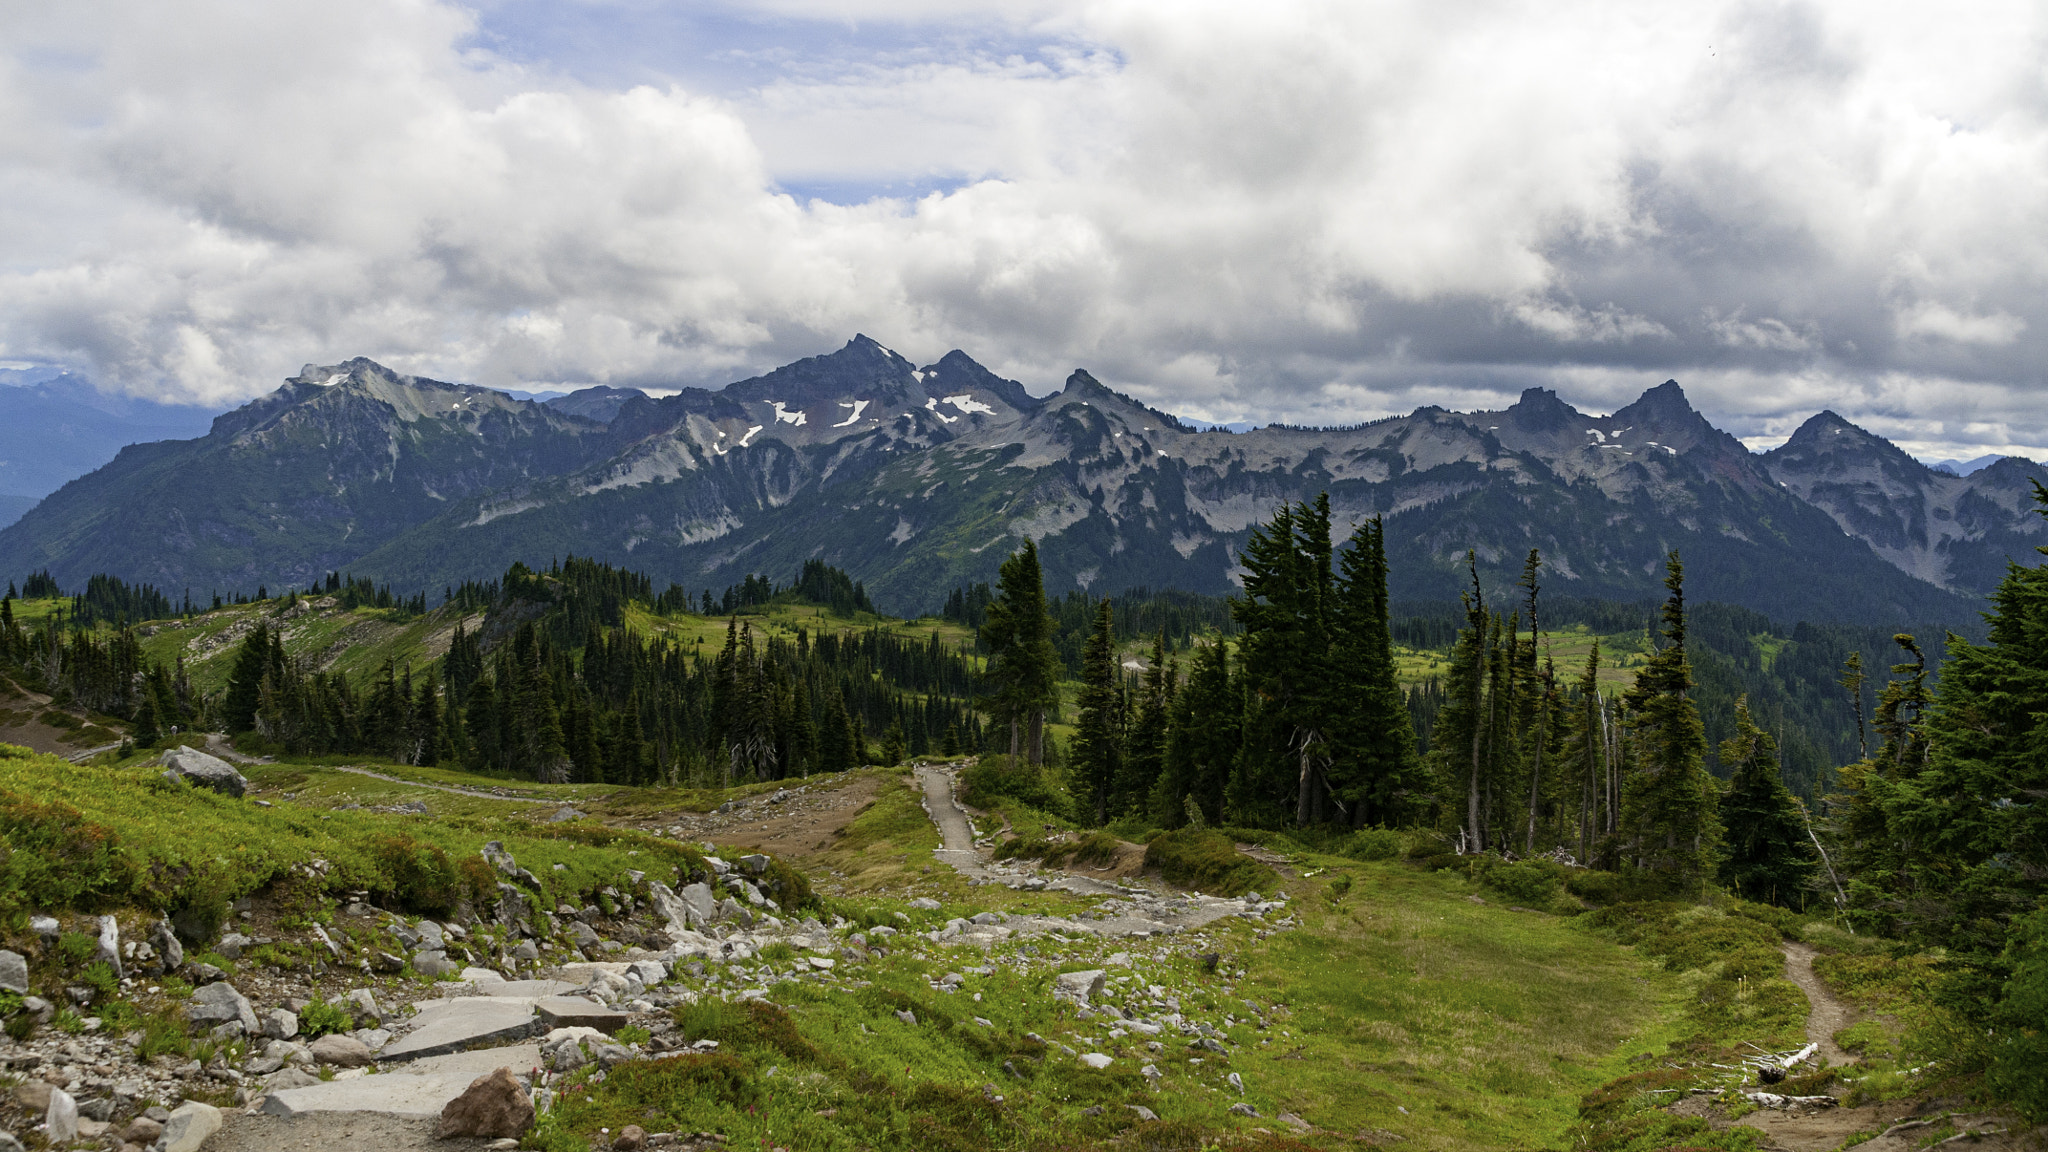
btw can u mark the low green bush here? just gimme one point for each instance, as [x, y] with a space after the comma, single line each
[320, 1018]
[1374, 844]
[985, 783]
[1096, 849]
[1208, 861]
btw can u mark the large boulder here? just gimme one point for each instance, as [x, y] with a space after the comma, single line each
[494, 1107]
[14, 972]
[203, 771]
[220, 1003]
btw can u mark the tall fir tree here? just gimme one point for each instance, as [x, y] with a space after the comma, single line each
[1670, 830]
[1098, 739]
[1376, 769]
[1023, 666]
[1767, 857]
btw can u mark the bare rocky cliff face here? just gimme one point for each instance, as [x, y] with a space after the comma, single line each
[1954, 531]
[917, 479]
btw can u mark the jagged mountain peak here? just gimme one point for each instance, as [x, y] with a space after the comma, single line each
[1541, 410]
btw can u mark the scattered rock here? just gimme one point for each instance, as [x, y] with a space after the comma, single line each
[1079, 987]
[1295, 1122]
[1377, 1136]
[14, 972]
[341, 1051]
[756, 864]
[142, 1130]
[168, 946]
[1235, 1082]
[494, 1106]
[60, 1117]
[279, 1024]
[33, 1095]
[1243, 1109]
[925, 903]
[220, 1003]
[1095, 1060]
[189, 1126]
[203, 771]
[565, 813]
[108, 951]
[631, 1138]
[1143, 1112]
[907, 1016]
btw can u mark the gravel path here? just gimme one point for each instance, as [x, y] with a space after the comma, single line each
[1828, 1015]
[448, 788]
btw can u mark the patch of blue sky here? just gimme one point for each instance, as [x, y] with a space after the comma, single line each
[725, 50]
[850, 192]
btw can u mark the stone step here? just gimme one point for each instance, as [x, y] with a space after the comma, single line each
[452, 1025]
[419, 1089]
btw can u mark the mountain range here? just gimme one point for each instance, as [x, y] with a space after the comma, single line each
[918, 479]
[58, 428]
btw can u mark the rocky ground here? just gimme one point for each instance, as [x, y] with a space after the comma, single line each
[336, 1050]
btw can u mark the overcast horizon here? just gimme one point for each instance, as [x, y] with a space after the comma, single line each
[1308, 213]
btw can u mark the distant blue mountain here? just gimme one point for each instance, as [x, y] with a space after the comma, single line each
[1965, 467]
[58, 427]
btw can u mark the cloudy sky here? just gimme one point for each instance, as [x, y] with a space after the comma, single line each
[1309, 211]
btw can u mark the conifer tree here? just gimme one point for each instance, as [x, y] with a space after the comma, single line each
[1669, 825]
[245, 682]
[1098, 743]
[1376, 769]
[1202, 741]
[428, 737]
[1146, 751]
[1585, 753]
[835, 736]
[1767, 858]
[1023, 667]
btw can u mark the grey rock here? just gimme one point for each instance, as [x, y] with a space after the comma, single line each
[907, 1016]
[364, 1003]
[189, 1126]
[231, 945]
[1079, 987]
[1243, 1109]
[756, 864]
[326, 941]
[524, 950]
[341, 1051]
[46, 926]
[38, 1009]
[14, 972]
[386, 962]
[431, 935]
[9, 1144]
[279, 1024]
[456, 1024]
[434, 965]
[583, 934]
[576, 1012]
[108, 951]
[60, 1119]
[1143, 1112]
[201, 973]
[99, 1108]
[168, 946]
[925, 903]
[288, 1079]
[565, 813]
[418, 1091]
[203, 771]
[1235, 1082]
[494, 853]
[221, 1003]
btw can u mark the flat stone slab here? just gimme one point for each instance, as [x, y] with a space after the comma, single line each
[452, 1025]
[576, 1012]
[503, 989]
[420, 1089]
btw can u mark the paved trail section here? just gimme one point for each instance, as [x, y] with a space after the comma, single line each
[1828, 1014]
